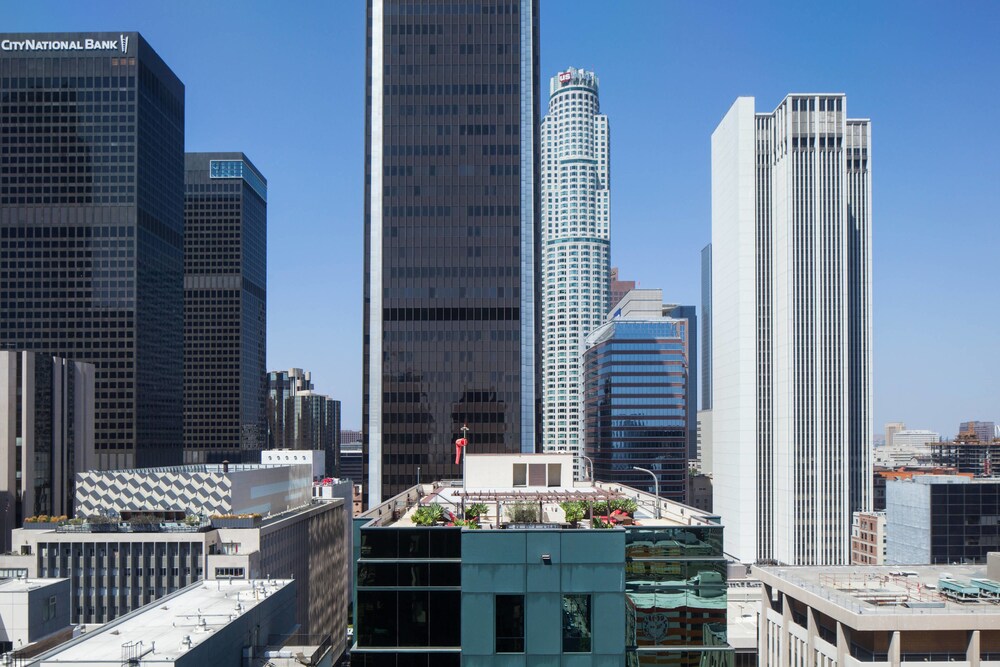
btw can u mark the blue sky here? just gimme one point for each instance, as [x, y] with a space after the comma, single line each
[284, 82]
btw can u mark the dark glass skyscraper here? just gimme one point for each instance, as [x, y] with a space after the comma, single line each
[225, 308]
[451, 235]
[91, 227]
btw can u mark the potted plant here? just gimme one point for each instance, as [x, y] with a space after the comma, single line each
[574, 510]
[428, 515]
[522, 511]
[476, 511]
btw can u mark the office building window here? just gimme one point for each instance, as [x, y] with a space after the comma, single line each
[509, 614]
[576, 629]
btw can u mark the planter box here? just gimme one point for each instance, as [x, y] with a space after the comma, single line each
[40, 526]
[242, 522]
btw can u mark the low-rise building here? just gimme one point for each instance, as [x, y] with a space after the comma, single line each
[543, 569]
[933, 519]
[879, 616]
[34, 615]
[868, 538]
[143, 534]
[221, 623]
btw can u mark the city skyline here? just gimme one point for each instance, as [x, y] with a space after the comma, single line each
[919, 63]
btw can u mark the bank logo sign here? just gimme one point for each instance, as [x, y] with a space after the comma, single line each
[66, 44]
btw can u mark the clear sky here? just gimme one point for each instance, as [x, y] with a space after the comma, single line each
[284, 82]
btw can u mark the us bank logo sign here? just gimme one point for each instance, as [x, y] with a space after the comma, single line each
[66, 44]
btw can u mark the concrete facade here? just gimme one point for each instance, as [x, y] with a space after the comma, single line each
[875, 616]
[791, 327]
[196, 489]
[116, 569]
[33, 611]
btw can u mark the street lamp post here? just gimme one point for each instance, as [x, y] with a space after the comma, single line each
[591, 462]
[656, 486]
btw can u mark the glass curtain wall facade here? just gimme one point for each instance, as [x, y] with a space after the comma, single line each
[427, 597]
[634, 378]
[225, 309]
[675, 597]
[576, 247]
[451, 236]
[92, 224]
[281, 386]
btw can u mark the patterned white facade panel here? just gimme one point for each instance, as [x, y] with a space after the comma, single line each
[261, 490]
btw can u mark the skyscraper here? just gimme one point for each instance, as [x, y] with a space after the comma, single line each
[92, 226]
[791, 328]
[576, 247]
[451, 236]
[225, 309]
[46, 435]
[635, 396]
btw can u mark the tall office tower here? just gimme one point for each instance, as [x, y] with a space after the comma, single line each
[300, 418]
[706, 327]
[281, 386]
[791, 328]
[619, 288]
[576, 248]
[315, 424]
[984, 431]
[635, 396]
[451, 236]
[891, 429]
[225, 309]
[46, 435]
[92, 225]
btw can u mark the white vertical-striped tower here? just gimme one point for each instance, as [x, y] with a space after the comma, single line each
[576, 260]
[791, 329]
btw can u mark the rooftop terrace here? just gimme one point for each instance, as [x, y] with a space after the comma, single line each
[538, 504]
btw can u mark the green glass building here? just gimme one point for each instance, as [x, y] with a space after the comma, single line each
[651, 590]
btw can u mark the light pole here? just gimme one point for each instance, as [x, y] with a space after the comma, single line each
[465, 436]
[591, 462]
[656, 486]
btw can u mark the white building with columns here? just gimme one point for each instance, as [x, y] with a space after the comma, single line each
[576, 260]
[879, 616]
[791, 329]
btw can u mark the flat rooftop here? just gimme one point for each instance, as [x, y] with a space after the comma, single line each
[894, 589]
[400, 511]
[25, 585]
[197, 612]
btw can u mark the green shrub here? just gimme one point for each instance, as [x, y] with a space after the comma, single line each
[575, 510]
[428, 515]
[523, 511]
[476, 510]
